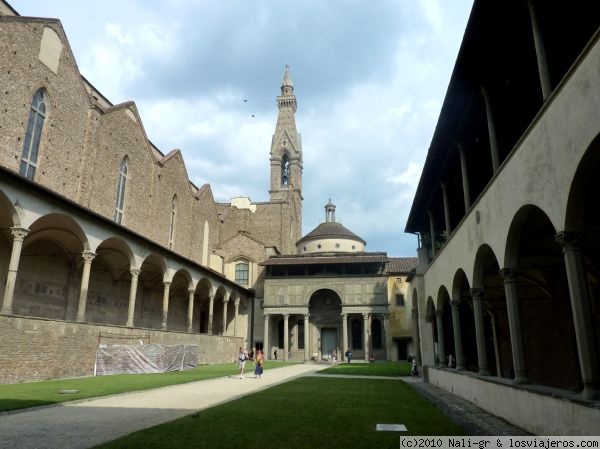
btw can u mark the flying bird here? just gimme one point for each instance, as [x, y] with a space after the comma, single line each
[245, 101]
[252, 115]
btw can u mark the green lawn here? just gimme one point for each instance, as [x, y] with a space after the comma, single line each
[33, 394]
[309, 412]
[379, 368]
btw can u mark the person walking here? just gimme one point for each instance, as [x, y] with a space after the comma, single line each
[242, 357]
[260, 361]
[348, 355]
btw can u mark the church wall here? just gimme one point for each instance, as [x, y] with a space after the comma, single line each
[39, 349]
[66, 115]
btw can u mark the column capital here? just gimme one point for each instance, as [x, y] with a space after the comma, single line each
[236, 302]
[454, 303]
[286, 316]
[569, 238]
[191, 290]
[365, 316]
[306, 316]
[88, 256]
[439, 313]
[225, 299]
[135, 272]
[509, 274]
[166, 284]
[267, 316]
[19, 233]
[344, 315]
[476, 294]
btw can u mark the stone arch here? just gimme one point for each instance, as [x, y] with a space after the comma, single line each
[464, 336]
[202, 297]
[110, 282]
[446, 333]
[149, 303]
[431, 319]
[50, 268]
[497, 342]
[549, 341]
[325, 308]
[181, 283]
[8, 218]
[582, 226]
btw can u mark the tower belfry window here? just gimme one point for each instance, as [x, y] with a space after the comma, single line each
[31, 143]
[285, 170]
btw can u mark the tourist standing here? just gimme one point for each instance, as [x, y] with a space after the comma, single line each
[242, 357]
[260, 361]
[348, 355]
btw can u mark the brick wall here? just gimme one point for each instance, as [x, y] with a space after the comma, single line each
[39, 349]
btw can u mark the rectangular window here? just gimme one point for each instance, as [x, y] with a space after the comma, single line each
[241, 273]
[400, 300]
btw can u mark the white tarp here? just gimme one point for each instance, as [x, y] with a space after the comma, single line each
[153, 358]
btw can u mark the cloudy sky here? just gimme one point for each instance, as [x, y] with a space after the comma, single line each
[369, 77]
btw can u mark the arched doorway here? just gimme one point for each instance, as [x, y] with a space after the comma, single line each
[325, 307]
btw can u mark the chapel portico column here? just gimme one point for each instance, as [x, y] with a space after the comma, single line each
[306, 336]
[87, 257]
[286, 335]
[266, 350]
[510, 276]
[165, 312]
[19, 235]
[135, 273]
[455, 303]
[476, 295]
[366, 320]
[582, 314]
[345, 346]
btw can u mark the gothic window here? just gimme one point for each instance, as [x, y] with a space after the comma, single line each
[123, 169]
[31, 143]
[172, 220]
[285, 170]
[376, 334]
[241, 273]
[400, 300]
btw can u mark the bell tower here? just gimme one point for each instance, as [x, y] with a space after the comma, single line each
[286, 148]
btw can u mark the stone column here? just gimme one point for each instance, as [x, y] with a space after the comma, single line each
[455, 303]
[235, 316]
[582, 314]
[540, 51]
[416, 338]
[465, 177]
[18, 235]
[432, 232]
[439, 317]
[225, 302]
[510, 276]
[491, 122]
[190, 317]
[87, 257]
[446, 207]
[306, 336]
[366, 321]
[211, 306]
[165, 312]
[266, 349]
[477, 295]
[286, 336]
[132, 295]
[345, 346]
[388, 337]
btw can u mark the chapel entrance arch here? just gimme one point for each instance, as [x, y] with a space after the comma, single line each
[325, 308]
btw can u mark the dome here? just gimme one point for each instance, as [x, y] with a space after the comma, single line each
[330, 236]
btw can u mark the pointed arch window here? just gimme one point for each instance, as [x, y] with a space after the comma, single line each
[31, 143]
[172, 221]
[285, 170]
[241, 272]
[123, 172]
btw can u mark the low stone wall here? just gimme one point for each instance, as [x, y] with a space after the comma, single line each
[538, 413]
[38, 349]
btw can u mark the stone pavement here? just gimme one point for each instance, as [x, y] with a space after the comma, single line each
[87, 423]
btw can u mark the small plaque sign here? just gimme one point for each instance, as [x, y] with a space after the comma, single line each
[391, 428]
